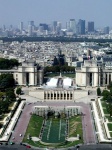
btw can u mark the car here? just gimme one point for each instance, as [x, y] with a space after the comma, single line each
[28, 103]
[6, 143]
[28, 146]
[22, 93]
[20, 135]
[24, 144]
[11, 143]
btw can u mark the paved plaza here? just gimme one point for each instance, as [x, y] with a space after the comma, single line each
[88, 130]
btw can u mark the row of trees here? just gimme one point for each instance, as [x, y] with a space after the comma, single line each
[7, 94]
[55, 39]
[55, 69]
[8, 63]
[6, 99]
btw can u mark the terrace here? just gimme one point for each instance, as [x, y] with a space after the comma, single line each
[101, 122]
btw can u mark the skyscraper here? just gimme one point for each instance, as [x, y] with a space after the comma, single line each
[91, 26]
[30, 30]
[73, 25]
[68, 25]
[21, 26]
[81, 26]
[58, 27]
[44, 25]
[31, 23]
[106, 30]
[54, 25]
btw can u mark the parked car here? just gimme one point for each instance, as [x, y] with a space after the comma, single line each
[28, 146]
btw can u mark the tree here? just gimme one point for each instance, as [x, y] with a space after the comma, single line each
[5, 105]
[6, 81]
[110, 85]
[18, 91]
[13, 62]
[105, 94]
[10, 96]
[109, 98]
[8, 64]
[55, 62]
[111, 91]
[98, 91]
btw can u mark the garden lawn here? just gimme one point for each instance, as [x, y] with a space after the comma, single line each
[75, 127]
[105, 111]
[110, 126]
[111, 134]
[34, 127]
[103, 104]
[109, 118]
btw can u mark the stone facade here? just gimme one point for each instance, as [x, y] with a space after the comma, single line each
[59, 94]
[26, 74]
[93, 74]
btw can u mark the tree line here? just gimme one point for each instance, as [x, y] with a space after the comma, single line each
[8, 63]
[55, 39]
[58, 68]
[7, 94]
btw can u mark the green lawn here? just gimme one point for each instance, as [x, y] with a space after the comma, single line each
[105, 111]
[54, 131]
[35, 124]
[75, 127]
[111, 134]
[110, 126]
[103, 104]
[109, 118]
[34, 127]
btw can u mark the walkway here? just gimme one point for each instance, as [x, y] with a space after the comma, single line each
[22, 124]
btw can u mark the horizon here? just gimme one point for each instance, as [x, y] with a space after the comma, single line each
[13, 12]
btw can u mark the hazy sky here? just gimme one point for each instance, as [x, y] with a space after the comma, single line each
[46, 11]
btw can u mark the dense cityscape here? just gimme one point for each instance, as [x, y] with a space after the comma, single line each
[56, 77]
[81, 28]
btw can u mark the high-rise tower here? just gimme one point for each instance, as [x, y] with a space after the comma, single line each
[81, 26]
[91, 26]
[73, 25]
[21, 26]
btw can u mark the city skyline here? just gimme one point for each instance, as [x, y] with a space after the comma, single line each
[47, 11]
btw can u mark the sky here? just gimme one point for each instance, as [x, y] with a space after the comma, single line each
[47, 11]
